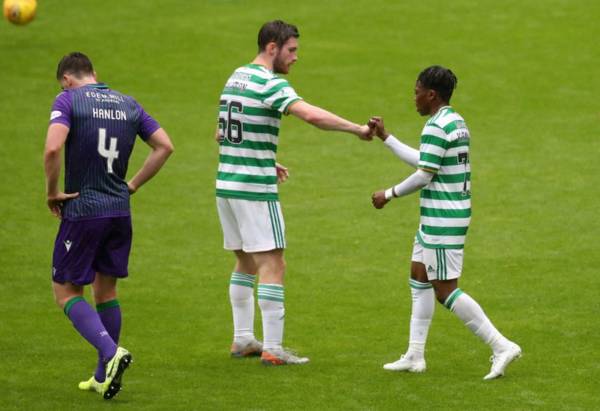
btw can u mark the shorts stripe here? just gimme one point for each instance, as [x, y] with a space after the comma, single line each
[442, 271]
[276, 224]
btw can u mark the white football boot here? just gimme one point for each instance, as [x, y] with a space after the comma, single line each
[407, 363]
[501, 360]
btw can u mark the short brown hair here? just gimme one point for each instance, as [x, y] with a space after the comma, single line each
[278, 31]
[75, 63]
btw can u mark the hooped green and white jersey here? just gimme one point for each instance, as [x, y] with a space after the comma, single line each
[250, 109]
[446, 200]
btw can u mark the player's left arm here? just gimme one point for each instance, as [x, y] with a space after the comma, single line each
[326, 120]
[55, 140]
[414, 182]
[162, 147]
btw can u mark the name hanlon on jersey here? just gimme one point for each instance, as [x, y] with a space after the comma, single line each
[108, 114]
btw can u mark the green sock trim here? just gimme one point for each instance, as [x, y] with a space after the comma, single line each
[419, 285]
[272, 292]
[245, 280]
[106, 305]
[449, 303]
[70, 304]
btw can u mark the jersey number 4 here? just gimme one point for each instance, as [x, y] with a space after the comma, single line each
[231, 128]
[109, 154]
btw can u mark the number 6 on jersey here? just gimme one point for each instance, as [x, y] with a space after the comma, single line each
[111, 154]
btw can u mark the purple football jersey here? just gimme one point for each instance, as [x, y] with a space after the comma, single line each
[103, 125]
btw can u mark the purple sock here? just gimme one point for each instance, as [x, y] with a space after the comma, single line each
[87, 322]
[110, 315]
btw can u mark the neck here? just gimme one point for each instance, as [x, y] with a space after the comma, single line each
[263, 60]
[435, 107]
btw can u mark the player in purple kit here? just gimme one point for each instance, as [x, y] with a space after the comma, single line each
[98, 127]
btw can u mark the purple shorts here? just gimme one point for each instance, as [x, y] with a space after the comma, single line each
[85, 247]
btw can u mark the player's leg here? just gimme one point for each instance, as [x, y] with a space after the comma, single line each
[242, 280]
[85, 320]
[271, 270]
[448, 267]
[423, 304]
[262, 230]
[111, 262]
[74, 251]
[105, 295]
[241, 296]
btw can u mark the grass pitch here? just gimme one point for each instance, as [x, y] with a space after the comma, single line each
[528, 81]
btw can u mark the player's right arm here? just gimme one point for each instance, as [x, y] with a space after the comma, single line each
[325, 120]
[162, 147]
[405, 153]
[55, 140]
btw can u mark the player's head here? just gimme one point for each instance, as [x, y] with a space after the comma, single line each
[434, 88]
[278, 40]
[73, 69]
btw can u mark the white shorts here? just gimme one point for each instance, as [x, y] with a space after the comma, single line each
[252, 226]
[440, 263]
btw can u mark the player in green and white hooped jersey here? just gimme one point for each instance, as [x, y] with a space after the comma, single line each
[443, 177]
[250, 110]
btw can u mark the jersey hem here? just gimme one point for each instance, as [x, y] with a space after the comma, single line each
[96, 217]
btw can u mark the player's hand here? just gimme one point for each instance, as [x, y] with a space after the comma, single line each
[282, 173]
[376, 123]
[378, 199]
[131, 188]
[55, 202]
[365, 133]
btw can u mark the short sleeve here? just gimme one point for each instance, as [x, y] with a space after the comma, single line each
[432, 148]
[147, 125]
[279, 95]
[61, 109]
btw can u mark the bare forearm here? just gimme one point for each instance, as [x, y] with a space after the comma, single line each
[155, 160]
[326, 120]
[52, 169]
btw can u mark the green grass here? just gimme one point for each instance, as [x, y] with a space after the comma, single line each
[528, 89]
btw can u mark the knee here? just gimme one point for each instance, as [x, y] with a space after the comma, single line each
[441, 294]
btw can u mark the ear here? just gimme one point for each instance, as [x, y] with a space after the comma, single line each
[95, 76]
[431, 94]
[272, 48]
[66, 80]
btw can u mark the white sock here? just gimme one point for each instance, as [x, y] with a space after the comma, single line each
[241, 295]
[270, 301]
[475, 319]
[423, 305]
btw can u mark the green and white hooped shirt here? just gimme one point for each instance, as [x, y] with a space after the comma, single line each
[250, 109]
[446, 201]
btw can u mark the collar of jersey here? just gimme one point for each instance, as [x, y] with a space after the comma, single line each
[258, 66]
[98, 85]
